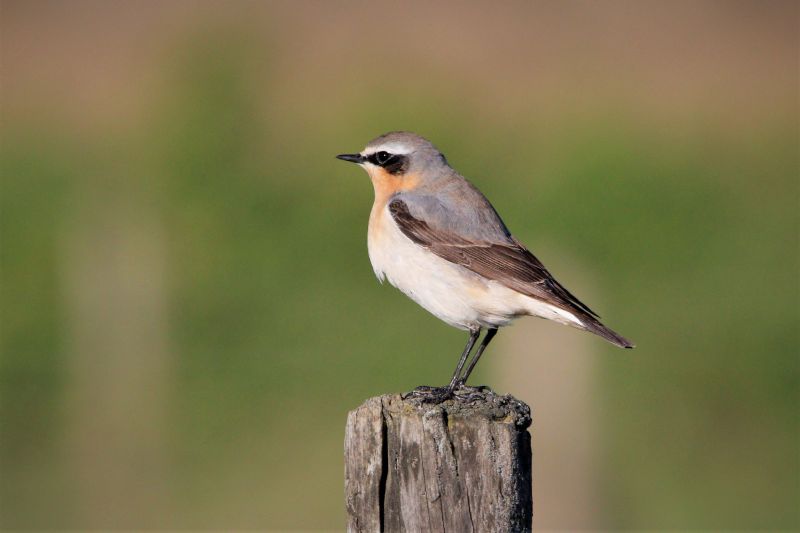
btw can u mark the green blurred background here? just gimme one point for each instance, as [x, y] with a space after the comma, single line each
[188, 310]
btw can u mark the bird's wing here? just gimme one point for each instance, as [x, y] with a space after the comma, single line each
[507, 262]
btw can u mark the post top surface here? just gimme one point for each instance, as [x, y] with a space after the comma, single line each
[483, 403]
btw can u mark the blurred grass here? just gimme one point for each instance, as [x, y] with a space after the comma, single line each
[277, 327]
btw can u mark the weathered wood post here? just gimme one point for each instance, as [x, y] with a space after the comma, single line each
[461, 466]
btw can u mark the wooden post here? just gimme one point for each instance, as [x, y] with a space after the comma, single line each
[458, 466]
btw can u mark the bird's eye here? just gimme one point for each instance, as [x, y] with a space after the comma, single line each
[391, 163]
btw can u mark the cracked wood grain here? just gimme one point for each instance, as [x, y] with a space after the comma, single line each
[458, 466]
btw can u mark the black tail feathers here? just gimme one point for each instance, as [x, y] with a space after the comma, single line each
[594, 325]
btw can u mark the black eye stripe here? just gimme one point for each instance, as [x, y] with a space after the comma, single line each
[393, 163]
[381, 158]
[396, 165]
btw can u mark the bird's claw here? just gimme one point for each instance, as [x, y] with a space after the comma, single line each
[428, 394]
[469, 393]
[436, 395]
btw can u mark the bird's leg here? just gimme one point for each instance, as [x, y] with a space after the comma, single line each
[440, 394]
[486, 340]
[473, 337]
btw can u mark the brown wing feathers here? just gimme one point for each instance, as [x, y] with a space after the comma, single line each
[510, 264]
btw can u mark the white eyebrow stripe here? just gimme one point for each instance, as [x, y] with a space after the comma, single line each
[391, 147]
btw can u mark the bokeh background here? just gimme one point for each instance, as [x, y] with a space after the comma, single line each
[188, 310]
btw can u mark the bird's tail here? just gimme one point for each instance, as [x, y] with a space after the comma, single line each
[592, 324]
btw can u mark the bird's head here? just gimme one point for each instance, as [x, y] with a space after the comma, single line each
[399, 161]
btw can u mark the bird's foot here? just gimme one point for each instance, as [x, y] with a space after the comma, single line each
[469, 393]
[436, 395]
[428, 394]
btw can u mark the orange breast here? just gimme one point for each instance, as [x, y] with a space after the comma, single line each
[386, 185]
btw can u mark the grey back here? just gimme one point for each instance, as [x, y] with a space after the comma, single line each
[454, 205]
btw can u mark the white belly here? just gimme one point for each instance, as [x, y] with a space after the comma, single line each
[452, 293]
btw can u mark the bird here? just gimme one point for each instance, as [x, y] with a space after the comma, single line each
[434, 236]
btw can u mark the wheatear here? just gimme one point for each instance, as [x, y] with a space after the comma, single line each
[435, 237]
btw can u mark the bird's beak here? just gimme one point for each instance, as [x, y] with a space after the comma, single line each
[353, 158]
